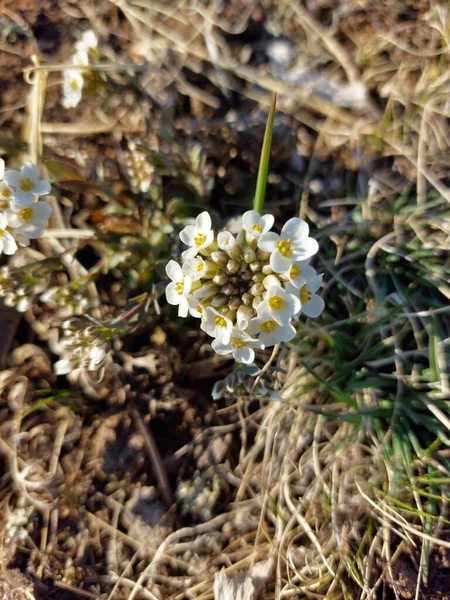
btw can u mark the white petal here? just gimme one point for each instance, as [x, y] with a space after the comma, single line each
[89, 39]
[174, 271]
[279, 263]
[13, 219]
[23, 198]
[314, 307]
[62, 367]
[306, 249]
[250, 218]
[189, 253]
[42, 211]
[12, 178]
[254, 326]
[23, 305]
[295, 229]
[244, 355]
[2, 168]
[33, 230]
[293, 302]
[226, 241]
[221, 348]
[267, 222]
[3, 221]
[30, 171]
[203, 222]
[188, 234]
[183, 307]
[9, 243]
[42, 187]
[268, 241]
[314, 283]
[171, 295]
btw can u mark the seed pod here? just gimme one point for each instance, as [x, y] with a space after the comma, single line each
[247, 298]
[219, 300]
[221, 278]
[270, 281]
[258, 277]
[219, 257]
[257, 289]
[233, 266]
[255, 266]
[249, 255]
[234, 303]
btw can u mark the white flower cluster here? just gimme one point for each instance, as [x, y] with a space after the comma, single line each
[22, 214]
[73, 79]
[246, 289]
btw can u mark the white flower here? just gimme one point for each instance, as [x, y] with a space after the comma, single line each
[80, 59]
[195, 268]
[7, 242]
[256, 225]
[29, 219]
[178, 289]
[87, 42]
[291, 246]
[97, 355]
[216, 325]
[299, 273]
[227, 242]
[240, 345]
[198, 236]
[6, 196]
[27, 184]
[270, 332]
[65, 365]
[279, 305]
[195, 308]
[311, 304]
[2, 168]
[72, 88]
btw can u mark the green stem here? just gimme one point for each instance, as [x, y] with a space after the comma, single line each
[263, 172]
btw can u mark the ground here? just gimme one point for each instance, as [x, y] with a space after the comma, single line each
[147, 478]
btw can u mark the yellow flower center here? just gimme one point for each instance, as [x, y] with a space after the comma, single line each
[179, 287]
[6, 193]
[26, 185]
[26, 214]
[200, 308]
[199, 267]
[238, 343]
[1, 233]
[276, 302]
[199, 239]
[4, 205]
[305, 295]
[285, 248]
[220, 322]
[257, 228]
[268, 326]
[74, 84]
[295, 271]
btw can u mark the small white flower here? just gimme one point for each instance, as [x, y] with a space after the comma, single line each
[279, 305]
[65, 365]
[72, 88]
[227, 242]
[6, 196]
[87, 42]
[178, 289]
[299, 273]
[291, 246]
[27, 184]
[311, 304]
[195, 268]
[216, 325]
[240, 345]
[256, 225]
[270, 332]
[2, 168]
[198, 236]
[7, 242]
[97, 355]
[195, 308]
[29, 219]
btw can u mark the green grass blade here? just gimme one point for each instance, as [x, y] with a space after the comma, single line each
[261, 183]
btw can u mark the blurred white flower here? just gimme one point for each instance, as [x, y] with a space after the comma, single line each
[72, 88]
[6, 196]
[240, 345]
[7, 243]
[311, 304]
[88, 41]
[27, 184]
[29, 220]
[177, 291]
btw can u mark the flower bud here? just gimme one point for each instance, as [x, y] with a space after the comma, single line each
[230, 382]
[221, 278]
[219, 300]
[241, 375]
[247, 298]
[211, 269]
[209, 250]
[257, 289]
[220, 258]
[256, 302]
[207, 289]
[255, 266]
[262, 254]
[249, 255]
[251, 240]
[234, 303]
[267, 270]
[246, 275]
[229, 290]
[258, 277]
[270, 281]
[227, 242]
[243, 316]
[233, 266]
